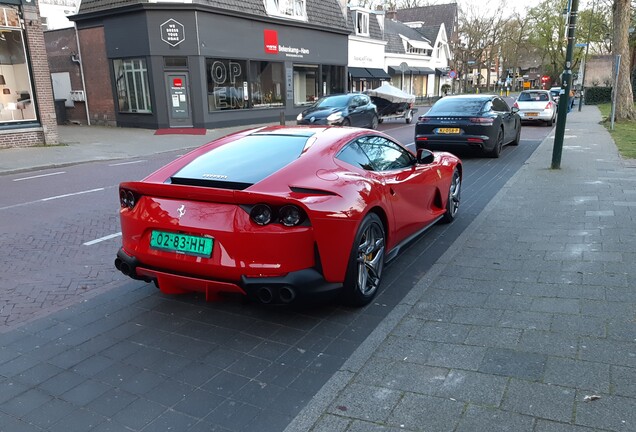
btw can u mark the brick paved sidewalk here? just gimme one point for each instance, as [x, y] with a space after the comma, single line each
[532, 311]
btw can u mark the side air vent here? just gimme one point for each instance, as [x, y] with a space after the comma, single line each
[308, 191]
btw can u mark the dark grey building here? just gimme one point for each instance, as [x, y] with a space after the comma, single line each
[207, 63]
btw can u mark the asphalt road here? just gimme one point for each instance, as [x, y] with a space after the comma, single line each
[244, 366]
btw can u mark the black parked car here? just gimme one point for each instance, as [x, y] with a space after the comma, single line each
[485, 122]
[353, 109]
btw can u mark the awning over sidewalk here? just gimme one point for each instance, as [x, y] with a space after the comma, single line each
[422, 71]
[357, 72]
[379, 73]
[411, 70]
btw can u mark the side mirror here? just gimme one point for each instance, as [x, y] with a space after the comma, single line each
[425, 156]
[514, 109]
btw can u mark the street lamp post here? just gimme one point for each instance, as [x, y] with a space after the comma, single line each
[566, 80]
[587, 49]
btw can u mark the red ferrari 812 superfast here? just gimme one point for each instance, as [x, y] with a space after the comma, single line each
[282, 213]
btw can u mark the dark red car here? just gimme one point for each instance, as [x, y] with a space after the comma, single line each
[284, 213]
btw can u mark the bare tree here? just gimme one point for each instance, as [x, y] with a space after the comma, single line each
[477, 33]
[514, 43]
[405, 4]
[623, 91]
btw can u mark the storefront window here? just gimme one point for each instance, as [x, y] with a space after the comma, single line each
[333, 78]
[306, 89]
[267, 84]
[227, 84]
[16, 93]
[133, 92]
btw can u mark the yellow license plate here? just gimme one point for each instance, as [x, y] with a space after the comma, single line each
[532, 114]
[448, 130]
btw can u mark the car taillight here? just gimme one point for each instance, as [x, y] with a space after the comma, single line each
[287, 215]
[548, 106]
[261, 214]
[127, 198]
[482, 120]
[290, 215]
[515, 105]
[422, 119]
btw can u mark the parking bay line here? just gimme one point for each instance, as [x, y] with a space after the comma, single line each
[101, 239]
[38, 176]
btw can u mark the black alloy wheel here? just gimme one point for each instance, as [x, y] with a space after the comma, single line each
[366, 262]
[517, 139]
[496, 150]
[374, 122]
[454, 196]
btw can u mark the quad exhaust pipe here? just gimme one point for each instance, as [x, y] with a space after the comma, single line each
[128, 266]
[123, 267]
[268, 295]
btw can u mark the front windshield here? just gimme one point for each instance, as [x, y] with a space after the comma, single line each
[333, 101]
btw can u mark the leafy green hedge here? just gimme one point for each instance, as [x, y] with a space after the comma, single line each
[598, 95]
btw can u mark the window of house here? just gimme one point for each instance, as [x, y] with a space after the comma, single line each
[227, 84]
[362, 23]
[267, 84]
[295, 9]
[413, 50]
[131, 81]
[16, 90]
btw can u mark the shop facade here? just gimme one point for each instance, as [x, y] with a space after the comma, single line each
[27, 112]
[192, 67]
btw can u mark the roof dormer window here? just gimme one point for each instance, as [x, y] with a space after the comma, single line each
[294, 9]
[362, 23]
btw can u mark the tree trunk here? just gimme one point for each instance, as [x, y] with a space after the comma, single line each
[623, 91]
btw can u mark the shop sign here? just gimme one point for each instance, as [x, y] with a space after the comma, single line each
[271, 41]
[273, 47]
[172, 32]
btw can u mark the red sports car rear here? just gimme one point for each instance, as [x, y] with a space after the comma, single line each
[281, 213]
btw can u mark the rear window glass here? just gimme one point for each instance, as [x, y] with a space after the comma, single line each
[533, 96]
[457, 106]
[246, 161]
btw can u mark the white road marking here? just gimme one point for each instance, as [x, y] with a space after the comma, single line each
[101, 239]
[71, 194]
[51, 198]
[128, 163]
[41, 175]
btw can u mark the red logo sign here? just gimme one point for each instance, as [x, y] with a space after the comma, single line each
[271, 41]
[177, 82]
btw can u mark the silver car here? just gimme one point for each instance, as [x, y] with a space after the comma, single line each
[536, 106]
